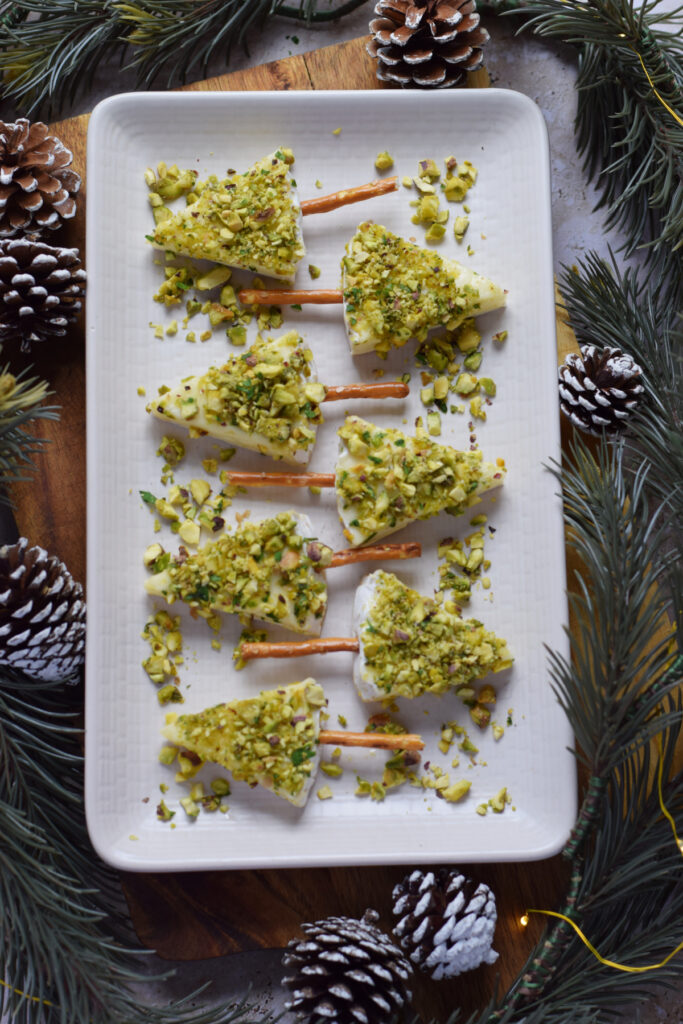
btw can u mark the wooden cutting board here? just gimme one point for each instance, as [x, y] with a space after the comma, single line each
[200, 915]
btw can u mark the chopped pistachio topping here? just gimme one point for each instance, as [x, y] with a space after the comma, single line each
[383, 161]
[249, 220]
[388, 477]
[264, 569]
[269, 740]
[394, 290]
[459, 179]
[412, 646]
[267, 391]
[324, 793]
[177, 281]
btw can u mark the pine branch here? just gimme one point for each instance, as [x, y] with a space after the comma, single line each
[65, 934]
[20, 405]
[56, 53]
[631, 143]
[609, 308]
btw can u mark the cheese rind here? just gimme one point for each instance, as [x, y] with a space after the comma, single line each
[409, 645]
[386, 479]
[250, 221]
[395, 291]
[266, 399]
[270, 740]
[265, 570]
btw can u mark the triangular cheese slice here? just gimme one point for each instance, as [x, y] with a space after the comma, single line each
[269, 740]
[265, 399]
[386, 479]
[410, 645]
[251, 221]
[268, 570]
[395, 291]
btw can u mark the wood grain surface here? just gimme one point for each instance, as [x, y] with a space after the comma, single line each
[201, 915]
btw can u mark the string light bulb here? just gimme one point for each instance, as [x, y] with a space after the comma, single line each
[524, 920]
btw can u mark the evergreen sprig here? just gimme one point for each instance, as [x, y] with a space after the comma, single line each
[21, 399]
[630, 140]
[50, 49]
[66, 940]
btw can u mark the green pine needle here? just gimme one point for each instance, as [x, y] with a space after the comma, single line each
[20, 405]
[65, 934]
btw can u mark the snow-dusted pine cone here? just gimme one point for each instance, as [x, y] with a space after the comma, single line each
[446, 922]
[42, 614]
[599, 389]
[41, 287]
[37, 184]
[347, 972]
[426, 43]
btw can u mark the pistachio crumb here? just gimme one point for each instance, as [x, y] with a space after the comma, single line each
[324, 793]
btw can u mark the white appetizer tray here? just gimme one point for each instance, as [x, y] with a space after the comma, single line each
[503, 134]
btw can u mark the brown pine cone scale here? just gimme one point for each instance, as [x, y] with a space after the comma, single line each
[42, 614]
[37, 183]
[426, 43]
[41, 287]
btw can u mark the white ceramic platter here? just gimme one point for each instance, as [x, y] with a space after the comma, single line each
[504, 136]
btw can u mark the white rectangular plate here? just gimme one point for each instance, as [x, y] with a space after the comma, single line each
[504, 136]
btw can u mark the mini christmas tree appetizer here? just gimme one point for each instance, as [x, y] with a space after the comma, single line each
[266, 399]
[272, 740]
[407, 644]
[386, 479]
[253, 220]
[271, 570]
[393, 291]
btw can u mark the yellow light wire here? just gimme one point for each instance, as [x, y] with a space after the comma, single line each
[524, 920]
[602, 959]
[18, 992]
[652, 86]
[665, 811]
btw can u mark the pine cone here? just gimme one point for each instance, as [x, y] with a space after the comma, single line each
[347, 971]
[599, 389]
[446, 922]
[37, 185]
[42, 614]
[41, 287]
[426, 43]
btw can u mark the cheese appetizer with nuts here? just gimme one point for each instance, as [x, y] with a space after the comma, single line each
[407, 645]
[392, 291]
[266, 399]
[273, 739]
[271, 570]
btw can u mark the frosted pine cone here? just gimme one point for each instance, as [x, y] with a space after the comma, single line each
[426, 43]
[42, 614]
[37, 184]
[599, 389]
[347, 972]
[446, 922]
[41, 287]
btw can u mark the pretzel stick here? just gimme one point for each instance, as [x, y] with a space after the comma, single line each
[376, 553]
[323, 204]
[290, 296]
[387, 741]
[297, 648]
[378, 389]
[249, 479]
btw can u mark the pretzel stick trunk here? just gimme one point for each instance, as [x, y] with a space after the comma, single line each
[250, 479]
[376, 389]
[250, 650]
[376, 553]
[323, 204]
[385, 741]
[290, 296]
